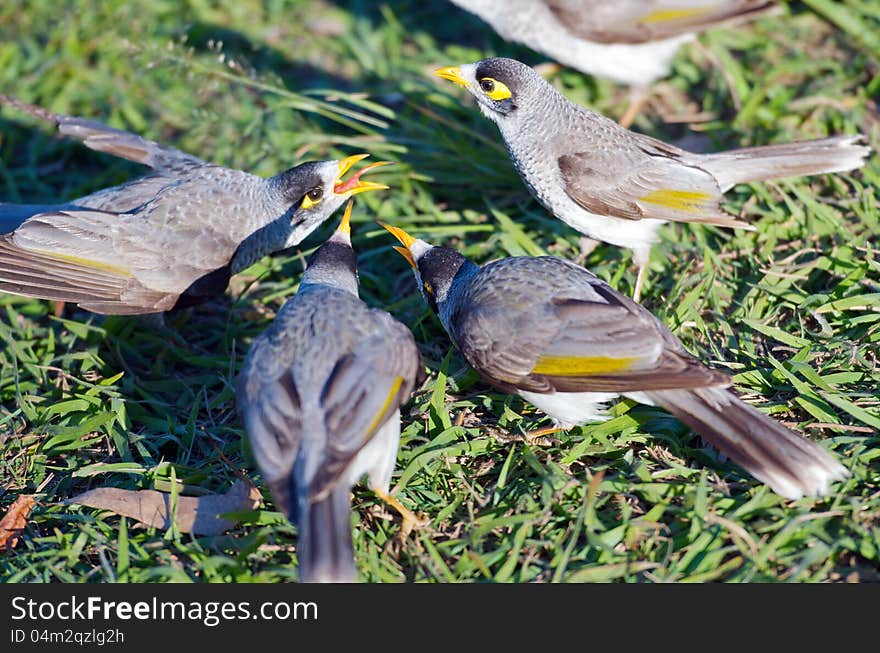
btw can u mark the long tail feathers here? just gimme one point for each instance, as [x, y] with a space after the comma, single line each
[789, 463]
[102, 138]
[835, 154]
[325, 550]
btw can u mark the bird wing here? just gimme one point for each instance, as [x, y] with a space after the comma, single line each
[565, 330]
[638, 21]
[365, 389]
[642, 178]
[110, 262]
[70, 256]
[366, 386]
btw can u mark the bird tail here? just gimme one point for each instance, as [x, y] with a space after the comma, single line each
[789, 463]
[835, 154]
[325, 550]
[102, 138]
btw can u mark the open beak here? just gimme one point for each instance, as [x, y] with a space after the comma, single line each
[406, 240]
[343, 231]
[354, 185]
[453, 74]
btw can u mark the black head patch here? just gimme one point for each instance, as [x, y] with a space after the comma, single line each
[301, 179]
[509, 72]
[437, 268]
[336, 256]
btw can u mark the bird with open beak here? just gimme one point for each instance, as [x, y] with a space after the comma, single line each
[172, 238]
[564, 340]
[320, 393]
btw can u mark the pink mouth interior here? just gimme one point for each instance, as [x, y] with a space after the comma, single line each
[353, 183]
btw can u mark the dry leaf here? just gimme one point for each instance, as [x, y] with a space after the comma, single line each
[199, 515]
[14, 521]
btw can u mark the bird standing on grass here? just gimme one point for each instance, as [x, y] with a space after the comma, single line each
[320, 393]
[564, 340]
[172, 238]
[630, 42]
[617, 186]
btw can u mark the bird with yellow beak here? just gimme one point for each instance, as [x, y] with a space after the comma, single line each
[618, 186]
[172, 238]
[320, 393]
[565, 341]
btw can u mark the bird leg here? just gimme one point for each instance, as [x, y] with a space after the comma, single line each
[640, 280]
[641, 258]
[410, 520]
[638, 97]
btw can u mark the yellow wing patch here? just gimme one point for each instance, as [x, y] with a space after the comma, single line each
[667, 15]
[395, 386]
[86, 263]
[581, 365]
[681, 200]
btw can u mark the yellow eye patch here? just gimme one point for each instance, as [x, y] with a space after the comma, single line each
[429, 290]
[312, 198]
[494, 89]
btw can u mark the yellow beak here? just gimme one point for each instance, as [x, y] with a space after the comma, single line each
[354, 185]
[344, 228]
[406, 240]
[453, 74]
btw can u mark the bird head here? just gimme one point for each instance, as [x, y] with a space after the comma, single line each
[335, 263]
[499, 85]
[314, 190]
[316, 187]
[435, 268]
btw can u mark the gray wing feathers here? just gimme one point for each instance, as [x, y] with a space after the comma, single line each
[637, 187]
[638, 21]
[578, 317]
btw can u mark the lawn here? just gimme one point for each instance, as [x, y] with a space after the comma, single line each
[792, 310]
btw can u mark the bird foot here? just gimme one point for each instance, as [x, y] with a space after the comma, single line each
[539, 438]
[410, 521]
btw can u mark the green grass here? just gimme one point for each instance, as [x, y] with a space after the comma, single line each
[791, 310]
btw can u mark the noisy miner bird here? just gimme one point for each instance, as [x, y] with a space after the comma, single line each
[320, 393]
[630, 42]
[564, 340]
[167, 240]
[617, 186]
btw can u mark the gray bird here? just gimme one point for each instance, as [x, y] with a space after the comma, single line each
[320, 393]
[172, 238]
[617, 186]
[564, 340]
[630, 42]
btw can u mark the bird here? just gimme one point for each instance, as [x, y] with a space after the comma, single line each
[618, 186]
[170, 239]
[631, 42]
[320, 394]
[553, 333]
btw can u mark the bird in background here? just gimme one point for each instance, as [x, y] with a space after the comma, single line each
[170, 239]
[320, 394]
[555, 334]
[631, 42]
[615, 185]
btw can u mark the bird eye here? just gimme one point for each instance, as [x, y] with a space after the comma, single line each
[312, 197]
[428, 289]
[494, 89]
